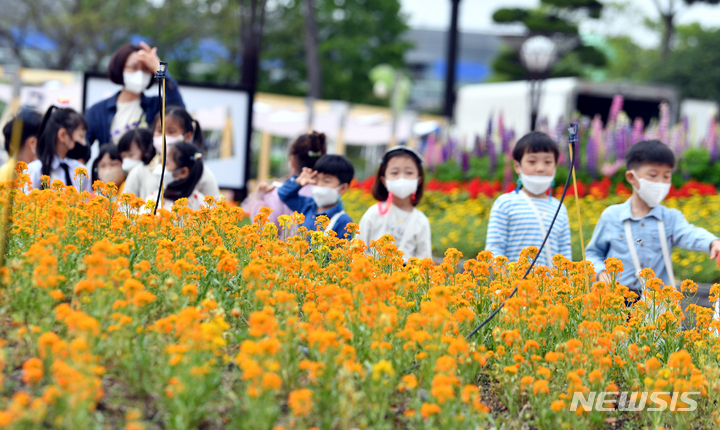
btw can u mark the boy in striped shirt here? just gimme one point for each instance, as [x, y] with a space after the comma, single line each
[520, 219]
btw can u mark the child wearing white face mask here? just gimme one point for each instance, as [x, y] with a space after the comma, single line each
[183, 170]
[179, 127]
[330, 179]
[398, 187]
[303, 152]
[641, 232]
[520, 219]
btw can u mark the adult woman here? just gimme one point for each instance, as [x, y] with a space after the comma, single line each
[133, 67]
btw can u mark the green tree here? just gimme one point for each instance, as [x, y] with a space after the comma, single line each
[84, 33]
[557, 19]
[353, 37]
[668, 10]
[693, 67]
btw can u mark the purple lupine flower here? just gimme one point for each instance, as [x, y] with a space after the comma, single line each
[447, 149]
[713, 139]
[492, 155]
[664, 122]
[620, 142]
[465, 161]
[615, 108]
[593, 144]
[478, 147]
[433, 152]
[637, 130]
[674, 138]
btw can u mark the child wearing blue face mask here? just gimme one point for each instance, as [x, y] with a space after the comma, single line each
[330, 179]
[520, 219]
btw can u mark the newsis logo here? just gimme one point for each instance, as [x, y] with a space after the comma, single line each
[635, 401]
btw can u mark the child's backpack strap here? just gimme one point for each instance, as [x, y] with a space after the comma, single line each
[333, 221]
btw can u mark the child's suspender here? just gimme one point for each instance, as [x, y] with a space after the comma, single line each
[663, 246]
[333, 221]
[549, 250]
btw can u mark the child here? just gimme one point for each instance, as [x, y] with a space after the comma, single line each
[28, 142]
[303, 153]
[641, 232]
[330, 179]
[136, 148]
[107, 167]
[183, 170]
[60, 131]
[520, 219]
[137, 151]
[399, 183]
[179, 127]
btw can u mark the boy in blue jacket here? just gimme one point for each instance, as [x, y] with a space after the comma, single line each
[330, 179]
[641, 232]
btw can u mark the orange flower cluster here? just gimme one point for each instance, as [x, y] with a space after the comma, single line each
[206, 319]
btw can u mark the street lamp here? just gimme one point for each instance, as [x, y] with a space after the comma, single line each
[538, 54]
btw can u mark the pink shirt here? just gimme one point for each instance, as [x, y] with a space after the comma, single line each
[271, 200]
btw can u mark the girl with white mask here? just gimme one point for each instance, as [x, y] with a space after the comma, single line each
[179, 127]
[398, 187]
[183, 170]
[133, 67]
[520, 219]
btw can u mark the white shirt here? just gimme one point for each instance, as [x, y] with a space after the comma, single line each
[195, 201]
[57, 172]
[141, 181]
[411, 230]
[127, 117]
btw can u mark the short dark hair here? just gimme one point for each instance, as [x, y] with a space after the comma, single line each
[380, 192]
[143, 138]
[117, 63]
[533, 143]
[336, 165]
[31, 121]
[649, 151]
[109, 149]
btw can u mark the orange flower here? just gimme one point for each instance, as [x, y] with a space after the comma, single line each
[33, 371]
[428, 409]
[300, 402]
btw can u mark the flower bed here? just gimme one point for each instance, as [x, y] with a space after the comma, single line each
[459, 220]
[193, 320]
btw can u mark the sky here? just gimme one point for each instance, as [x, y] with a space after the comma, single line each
[476, 16]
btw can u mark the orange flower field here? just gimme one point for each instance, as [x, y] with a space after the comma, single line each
[113, 318]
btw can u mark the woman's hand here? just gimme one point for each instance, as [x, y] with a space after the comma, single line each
[148, 58]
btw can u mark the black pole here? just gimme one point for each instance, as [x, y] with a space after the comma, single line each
[534, 102]
[451, 59]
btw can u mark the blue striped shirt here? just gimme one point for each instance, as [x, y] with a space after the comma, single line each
[513, 227]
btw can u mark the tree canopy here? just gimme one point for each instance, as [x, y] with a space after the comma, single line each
[202, 39]
[554, 18]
